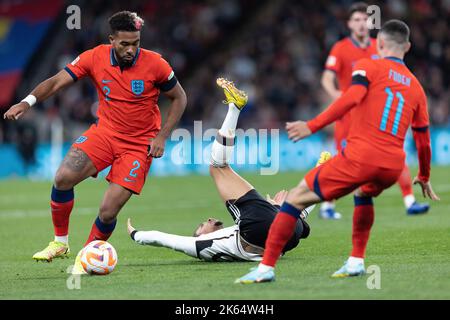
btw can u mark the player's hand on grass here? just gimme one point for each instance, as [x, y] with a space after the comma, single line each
[278, 199]
[130, 228]
[427, 190]
[157, 146]
[16, 111]
[297, 130]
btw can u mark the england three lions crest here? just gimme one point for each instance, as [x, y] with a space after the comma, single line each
[137, 86]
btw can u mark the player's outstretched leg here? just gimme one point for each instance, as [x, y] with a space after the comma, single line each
[223, 146]
[229, 184]
[363, 218]
[115, 198]
[280, 232]
[75, 167]
[236, 100]
[282, 229]
[412, 206]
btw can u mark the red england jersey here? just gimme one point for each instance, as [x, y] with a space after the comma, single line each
[343, 56]
[385, 98]
[394, 100]
[128, 98]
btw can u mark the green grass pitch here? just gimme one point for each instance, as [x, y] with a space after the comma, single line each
[412, 252]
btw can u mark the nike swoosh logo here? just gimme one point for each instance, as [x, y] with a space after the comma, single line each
[128, 180]
[106, 81]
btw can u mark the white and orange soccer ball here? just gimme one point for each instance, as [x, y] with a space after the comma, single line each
[99, 257]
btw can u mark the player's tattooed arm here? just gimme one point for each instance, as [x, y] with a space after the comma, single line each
[178, 102]
[76, 160]
[43, 90]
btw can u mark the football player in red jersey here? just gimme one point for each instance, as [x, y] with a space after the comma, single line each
[385, 98]
[337, 78]
[127, 135]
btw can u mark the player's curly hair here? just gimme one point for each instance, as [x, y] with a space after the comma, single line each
[125, 21]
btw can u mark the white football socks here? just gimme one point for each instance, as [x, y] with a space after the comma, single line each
[229, 124]
[354, 261]
[223, 147]
[409, 200]
[264, 268]
[221, 154]
[327, 205]
[63, 239]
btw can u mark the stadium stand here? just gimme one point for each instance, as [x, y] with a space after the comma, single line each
[275, 50]
[23, 24]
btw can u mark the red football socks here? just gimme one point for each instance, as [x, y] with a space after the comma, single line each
[100, 231]
[404, 182]
[280, 232]
[61, 206]
[363, 218]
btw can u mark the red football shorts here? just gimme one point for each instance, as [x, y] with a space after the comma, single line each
[129, 161]
[340, 176]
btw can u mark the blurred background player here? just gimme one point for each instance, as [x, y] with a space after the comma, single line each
[385, 99]
[128, 132]
[252, 214]
[337, 78]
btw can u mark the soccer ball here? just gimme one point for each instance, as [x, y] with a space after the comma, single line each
[99, 257]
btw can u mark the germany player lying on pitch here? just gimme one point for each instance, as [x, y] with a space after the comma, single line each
[127, 135]
[252, 214]
[385, 99]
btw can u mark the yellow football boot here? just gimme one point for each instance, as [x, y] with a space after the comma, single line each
[78, 267]
[54, 249]
[232, 94]
[324, 157]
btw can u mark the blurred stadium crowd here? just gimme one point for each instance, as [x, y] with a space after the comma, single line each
[273, 49]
